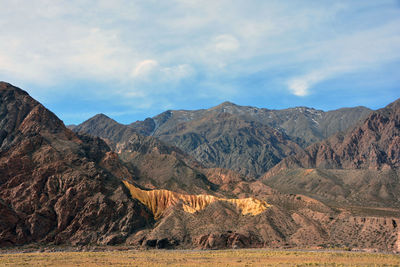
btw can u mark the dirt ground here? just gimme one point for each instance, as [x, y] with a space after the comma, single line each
[241, 257]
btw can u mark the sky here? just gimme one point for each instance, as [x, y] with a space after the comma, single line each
[135, 59]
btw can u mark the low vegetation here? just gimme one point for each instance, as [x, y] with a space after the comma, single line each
[243, 257]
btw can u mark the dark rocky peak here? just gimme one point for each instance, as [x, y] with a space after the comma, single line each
[226, 107]
[225, 104]
[4, 86]
[21, 114]
[99, 121]
[105, 127]
[42, 119]
[101, 118]
[55, 186]
[15, 105]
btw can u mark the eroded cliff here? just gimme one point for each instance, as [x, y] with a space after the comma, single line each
[159, 200]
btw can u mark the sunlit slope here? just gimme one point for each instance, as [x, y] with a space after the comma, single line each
[159, 200]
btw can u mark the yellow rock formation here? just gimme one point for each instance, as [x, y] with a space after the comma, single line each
[159, 200]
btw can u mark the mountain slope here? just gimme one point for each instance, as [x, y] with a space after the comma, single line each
[306, 125]
[207, 222]
[106, 128]
[362, 165]
[55, 186]
[225, 141]
[154, 163]
[246, 139]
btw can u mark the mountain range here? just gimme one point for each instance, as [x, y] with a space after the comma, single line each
[244, 139]
[226, 177]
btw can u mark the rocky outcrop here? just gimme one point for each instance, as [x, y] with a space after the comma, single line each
[227, 240]
[55, 186]
[305, 225]
[158, 201]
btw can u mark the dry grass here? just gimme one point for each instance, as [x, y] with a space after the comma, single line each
[245, 257]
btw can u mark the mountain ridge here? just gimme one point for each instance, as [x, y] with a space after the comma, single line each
[362, 164]
[55, 186]
[60, 187]
[189, 130]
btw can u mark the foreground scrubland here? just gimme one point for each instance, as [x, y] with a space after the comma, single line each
[244, 257]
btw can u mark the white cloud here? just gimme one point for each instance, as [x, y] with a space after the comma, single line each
[226, 43]
[40, 47]
[367, 49]
[177, 72]
[300, 86]
[144, 68]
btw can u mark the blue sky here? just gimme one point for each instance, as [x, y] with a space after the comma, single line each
[134, 59]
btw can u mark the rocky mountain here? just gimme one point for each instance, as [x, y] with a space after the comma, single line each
[58, 187]
[271, 220]
[226, 141]
[223, 141]
[359, 166]
[106, 128]
[302, 124]
[245, 139]
[153, 163]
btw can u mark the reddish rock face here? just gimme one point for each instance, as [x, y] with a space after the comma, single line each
[361, 167]
[373, 144]
[55, 186]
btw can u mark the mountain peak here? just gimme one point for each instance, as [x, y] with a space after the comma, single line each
[101, 116]
[226, 104]
[4, 86]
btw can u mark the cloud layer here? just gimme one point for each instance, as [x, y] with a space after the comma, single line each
[158, 54]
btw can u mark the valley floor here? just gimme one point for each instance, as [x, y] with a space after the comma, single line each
[240, 257]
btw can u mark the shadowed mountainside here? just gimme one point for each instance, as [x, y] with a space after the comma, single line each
[305, 125]
[361, 166]
[55, 186]
[106, 128]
